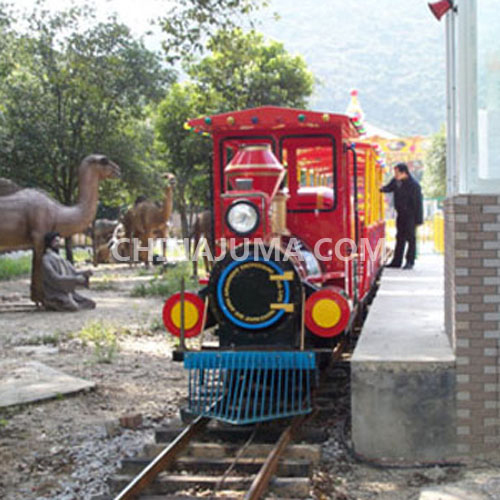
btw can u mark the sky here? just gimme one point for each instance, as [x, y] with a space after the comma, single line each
[136, 14]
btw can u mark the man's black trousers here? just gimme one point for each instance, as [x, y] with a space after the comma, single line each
[406, 234]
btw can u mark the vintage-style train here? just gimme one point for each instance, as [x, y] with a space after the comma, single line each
[298, 222]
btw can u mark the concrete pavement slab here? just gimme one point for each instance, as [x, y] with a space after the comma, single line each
[26, 382]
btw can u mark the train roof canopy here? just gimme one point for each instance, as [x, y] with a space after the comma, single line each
[273, 118]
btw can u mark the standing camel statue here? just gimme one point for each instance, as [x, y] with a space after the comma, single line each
[28, 214]
[146, 219]
[202, 227]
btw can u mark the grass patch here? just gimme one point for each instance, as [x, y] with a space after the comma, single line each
[166, 283]
[143, 271]
[103, 337]
[80, 255]
[11, 267]
[156, 325]
[140, 326]
[47, 339]
[104, 282]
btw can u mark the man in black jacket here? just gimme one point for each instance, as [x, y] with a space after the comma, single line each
[408, 203]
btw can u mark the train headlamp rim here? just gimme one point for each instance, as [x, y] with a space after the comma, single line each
[234, 206]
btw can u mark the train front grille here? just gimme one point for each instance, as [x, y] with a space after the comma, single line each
[245, 387]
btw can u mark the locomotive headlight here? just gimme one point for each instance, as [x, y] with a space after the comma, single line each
[242, 217]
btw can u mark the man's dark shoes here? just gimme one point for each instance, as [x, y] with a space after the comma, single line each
[392, 264]
[408, 266]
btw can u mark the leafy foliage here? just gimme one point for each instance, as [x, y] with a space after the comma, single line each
[393, 52]
[434, 182]
[244, 71]
[7, 38]
[165, 284]
[190, 22]
[76, 88]
[186, 155]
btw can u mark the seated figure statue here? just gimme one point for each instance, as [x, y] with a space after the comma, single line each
[60, 279]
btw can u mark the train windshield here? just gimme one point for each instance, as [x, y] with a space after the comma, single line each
[310, 163]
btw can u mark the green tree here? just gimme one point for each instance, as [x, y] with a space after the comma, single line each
[434, 181]
[241, 71]
[184, 153]
[6, 40]
[190, 22]
[244, 71]
[77, 87]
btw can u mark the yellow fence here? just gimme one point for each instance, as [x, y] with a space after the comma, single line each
[438, 228]
[430, 235]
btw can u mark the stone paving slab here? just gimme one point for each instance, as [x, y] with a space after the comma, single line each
[483, 486]
[451, 493]
[27, 382]
[406, 320]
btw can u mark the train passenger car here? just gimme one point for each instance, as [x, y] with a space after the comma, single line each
[298, 227]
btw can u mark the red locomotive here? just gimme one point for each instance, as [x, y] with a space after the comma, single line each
[298, 225]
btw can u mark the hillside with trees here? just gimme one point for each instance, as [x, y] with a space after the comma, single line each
[393, 52]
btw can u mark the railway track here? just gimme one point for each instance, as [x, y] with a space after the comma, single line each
[211, 459]
[224, 461]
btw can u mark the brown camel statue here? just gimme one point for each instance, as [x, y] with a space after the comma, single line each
[202, 227]
[150, 220]
[28, 214]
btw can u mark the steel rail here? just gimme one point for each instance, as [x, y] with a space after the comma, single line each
[162, 461]
[261, 481]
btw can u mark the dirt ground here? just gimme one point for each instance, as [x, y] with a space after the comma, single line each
[65, 448]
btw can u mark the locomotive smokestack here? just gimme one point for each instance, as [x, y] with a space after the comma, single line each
[255, 163]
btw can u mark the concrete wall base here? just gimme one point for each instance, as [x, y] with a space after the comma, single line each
[403, 411]
[403, 371]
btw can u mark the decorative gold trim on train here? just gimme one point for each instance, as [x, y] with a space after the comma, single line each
[289, 308]
[286, 276]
